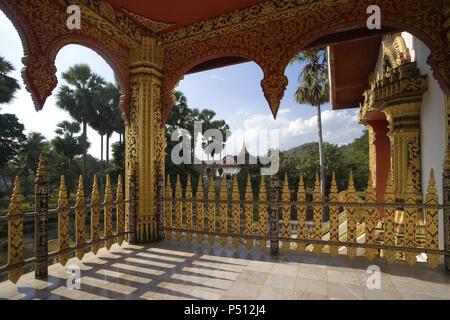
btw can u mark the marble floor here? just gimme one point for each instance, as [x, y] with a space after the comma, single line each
[172, 270]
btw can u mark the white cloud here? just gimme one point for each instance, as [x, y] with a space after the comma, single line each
[339, 127]
[216, 77]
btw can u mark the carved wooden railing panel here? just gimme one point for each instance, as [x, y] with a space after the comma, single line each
[66, 249]
[355, 226]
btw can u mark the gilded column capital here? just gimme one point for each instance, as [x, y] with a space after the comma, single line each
[147, 59]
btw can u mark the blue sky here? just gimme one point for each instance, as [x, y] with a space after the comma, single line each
[234, 93]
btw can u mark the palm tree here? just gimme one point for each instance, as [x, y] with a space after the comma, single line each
[314, 90]
[111, 111]
[68, 145]
[108, 117]
[8, 85]
[29, 155]
[100, 124]
[80, 97]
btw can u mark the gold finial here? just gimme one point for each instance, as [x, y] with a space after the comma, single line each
[390, 184]
[432, 183]
[262, 190]
[95, 192]
[199, 194]
[16, 198]
[62, 184]
[223, 189]
[317, 184]
[351, 182]
[80, 191]
[62, 199]
[235, 192]
[301, 193]
[333, 188]
[370, 187]
[16, 191]
[119, 182]
[178, 194]
[285, 194]
[42, 170]
[248, 189]
[188, 188]
[211, 191]
[168, 186]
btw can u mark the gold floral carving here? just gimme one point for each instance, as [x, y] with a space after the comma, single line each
[111, 21]
[152, 25]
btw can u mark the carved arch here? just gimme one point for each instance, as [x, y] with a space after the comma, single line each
[119, 71]
[169, 82]
[42, 28]
[274, 32]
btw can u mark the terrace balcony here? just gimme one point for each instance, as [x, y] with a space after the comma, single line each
[178, 270]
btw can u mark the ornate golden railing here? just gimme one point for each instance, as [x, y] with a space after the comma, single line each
[220, 216]
[111, 207]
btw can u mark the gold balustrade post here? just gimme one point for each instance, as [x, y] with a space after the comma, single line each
[132, 207]
[351, 216]
[41, 220]
[15, 233]
[410, 221]
[63, 222]
[95, 216]
[286, 215]
[200, 210]
[371, 219]
[262, 210]
[446, 198]
[120, 212]
[224, 211]
[236, 212]
[188, 210]
[178, 209]
[273, 218]
[168, 216]
[334, 216]
[389, 219]
[211, 210]
[107, 214]
[80, 218]
[432, 222]
[248, 213]
[317, 215]
[159, 218]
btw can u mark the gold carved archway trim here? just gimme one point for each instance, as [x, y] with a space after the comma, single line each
[41, 25]
[272, 32]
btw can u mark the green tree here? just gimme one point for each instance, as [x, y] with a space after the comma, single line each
[183, 117]
[28, 159]
[11, 139]
[118, 163]
[8, 85]
[303, 160]
[314, 90]
[68, 145]
[81, 96]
